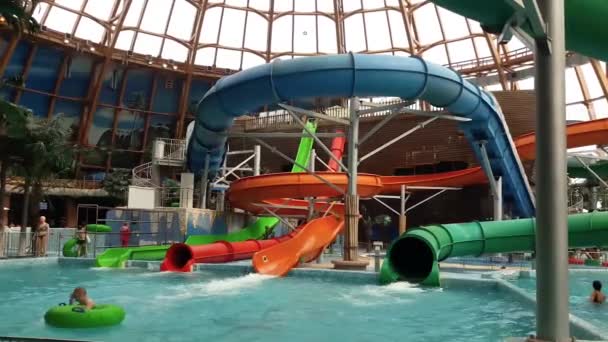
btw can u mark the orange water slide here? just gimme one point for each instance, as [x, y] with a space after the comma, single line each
[305, 246]
[594, 132]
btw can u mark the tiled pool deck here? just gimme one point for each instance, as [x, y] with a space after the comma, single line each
[453, 275]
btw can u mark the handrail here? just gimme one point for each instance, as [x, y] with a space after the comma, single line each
[142, 175]
[281, 119]
[489, 61]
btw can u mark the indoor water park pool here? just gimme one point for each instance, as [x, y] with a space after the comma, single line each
[580, 290]
[201, 306]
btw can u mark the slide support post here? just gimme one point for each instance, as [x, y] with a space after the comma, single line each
[352, 198]
[402, 218]
[257, 152]
[204, 182]
[552, 322]
[497, 200]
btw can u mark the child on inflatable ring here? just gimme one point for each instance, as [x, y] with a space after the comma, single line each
[80, 295]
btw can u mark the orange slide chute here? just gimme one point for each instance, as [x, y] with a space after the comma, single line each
[594, 132]
[305, 246]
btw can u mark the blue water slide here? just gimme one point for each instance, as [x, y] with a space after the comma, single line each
[350, 75]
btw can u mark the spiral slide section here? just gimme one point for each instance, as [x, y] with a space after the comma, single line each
[414, 256]
[350, 75]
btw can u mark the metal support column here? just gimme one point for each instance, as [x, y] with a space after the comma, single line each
[351, 238]
[257, 159]
[593, 199]
[402, 218]
[204, 182]
[220, 201]
[552, 311]
[311, 200]
[497, 200]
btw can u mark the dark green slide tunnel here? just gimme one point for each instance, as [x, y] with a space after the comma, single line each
[414, 256]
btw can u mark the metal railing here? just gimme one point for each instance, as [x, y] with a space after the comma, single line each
[171, 197]
[84, 184]
[10, 244]
[11, 238]
[170, 149]
[142, 175]
[281, 119]
[489, 61]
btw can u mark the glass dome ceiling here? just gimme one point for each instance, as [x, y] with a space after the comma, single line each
[238, 34]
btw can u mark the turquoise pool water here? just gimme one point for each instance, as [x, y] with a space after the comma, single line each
[203, 307]
[580, 289]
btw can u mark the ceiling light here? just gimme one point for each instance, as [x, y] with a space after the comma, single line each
[149, 59]
[164, 65]
[92, 48]
[174, 67]
[66, 38]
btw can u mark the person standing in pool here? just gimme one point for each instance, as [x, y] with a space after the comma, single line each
[80, 296]
[42, 237]
[597, 296]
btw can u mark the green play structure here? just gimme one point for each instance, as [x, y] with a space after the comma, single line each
[117, 257]
[415, 255]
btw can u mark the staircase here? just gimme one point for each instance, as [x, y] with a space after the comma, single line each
[142, 175]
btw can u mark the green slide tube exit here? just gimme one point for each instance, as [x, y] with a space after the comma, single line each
[414, 256]
[585, 24]
[117, 257]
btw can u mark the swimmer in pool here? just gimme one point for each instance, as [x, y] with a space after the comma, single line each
[80, 295]
[597, 296]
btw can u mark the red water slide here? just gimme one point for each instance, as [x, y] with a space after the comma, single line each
[181, 257]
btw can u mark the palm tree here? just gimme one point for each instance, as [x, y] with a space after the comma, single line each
[17, 15]
[14, 124]
[45, 155]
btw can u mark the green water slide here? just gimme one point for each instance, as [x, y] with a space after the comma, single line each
[306, 144]
[117, 257]
[585, 27]
[414, 256]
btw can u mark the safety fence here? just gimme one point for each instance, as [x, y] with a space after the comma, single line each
[16, 243]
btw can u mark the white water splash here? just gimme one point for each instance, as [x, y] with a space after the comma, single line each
[102, 269]
[217, 287]
[397, 293]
